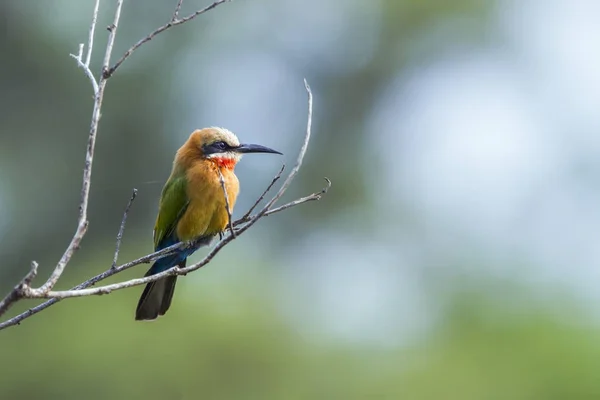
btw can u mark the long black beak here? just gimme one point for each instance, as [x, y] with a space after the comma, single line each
[254, 148]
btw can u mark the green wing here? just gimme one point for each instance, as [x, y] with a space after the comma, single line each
[173, 203]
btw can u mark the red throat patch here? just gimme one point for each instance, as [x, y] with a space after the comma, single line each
[224, 162]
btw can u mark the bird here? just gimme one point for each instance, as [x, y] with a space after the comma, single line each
[192, 206]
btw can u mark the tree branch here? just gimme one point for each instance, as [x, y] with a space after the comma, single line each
[176, 12]
[173, 22]
[91, 34]
[247, 221]
[85, 65]
[122, 228]
[92, 281]
[18, 290]
[227, 203]
[183, 271]
[311, 197]
[86, 70]
[24, 290]
[296, 168]
[89, 158]
[246, 216]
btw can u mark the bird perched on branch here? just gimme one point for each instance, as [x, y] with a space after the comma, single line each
[193, 206]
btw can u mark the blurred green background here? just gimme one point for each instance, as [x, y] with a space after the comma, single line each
[455, 256]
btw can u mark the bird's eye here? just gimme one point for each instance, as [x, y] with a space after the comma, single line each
[220, 145]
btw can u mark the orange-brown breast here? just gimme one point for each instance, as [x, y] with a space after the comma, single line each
[206, 214]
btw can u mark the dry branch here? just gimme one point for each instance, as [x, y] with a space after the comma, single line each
[101, 290]
[245, 222]
[153, 257]
[173, 22]
[246, 216]
[122, 228]
[24, 290]
[227, 204]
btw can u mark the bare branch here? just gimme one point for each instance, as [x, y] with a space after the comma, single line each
[227, 203]
[153, 257]
[183, 271]
[173, 22]
[80, 52]
[296, 168]
[176, 12]
[90, 282]
[111, 38]
[91, 35]
[87, 172]
[85, 65]
[246, 216]
[122, 228]
[18, 291]
[84, 290]
[86, 70]
[23, 289]
[311, 197]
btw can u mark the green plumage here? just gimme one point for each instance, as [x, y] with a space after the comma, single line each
[173, 203]
[156, 298]
[195, 204]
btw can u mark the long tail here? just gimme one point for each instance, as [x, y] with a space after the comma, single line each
[157, 295]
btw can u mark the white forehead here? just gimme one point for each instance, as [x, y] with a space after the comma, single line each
[225, 135]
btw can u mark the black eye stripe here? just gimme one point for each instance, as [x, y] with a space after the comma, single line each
[216, 147]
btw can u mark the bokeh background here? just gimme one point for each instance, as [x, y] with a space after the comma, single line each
[455, 257]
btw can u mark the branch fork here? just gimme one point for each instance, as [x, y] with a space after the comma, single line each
[235, 228]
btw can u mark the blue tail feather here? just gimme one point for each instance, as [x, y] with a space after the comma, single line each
[157, 296]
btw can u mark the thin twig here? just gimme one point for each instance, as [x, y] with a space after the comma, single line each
[18, 290]
[296, 168]
[122, 228]
[85, 65]
[153, 257]
[83, 289]
[91, 34]
[262, 196]
[111, 38]
[88, 72]
[87, 172]
[109, 72]
[227, 203]
[90, 282]
[311, 197]
[183, 271]
[176, 12]
[146, 259]
[24, 289]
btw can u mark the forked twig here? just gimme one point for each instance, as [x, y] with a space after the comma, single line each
[262, 196]
[173, 22]
[84, 289]
[24, 290]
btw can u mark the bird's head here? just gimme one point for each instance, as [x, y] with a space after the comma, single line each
[220, 146]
